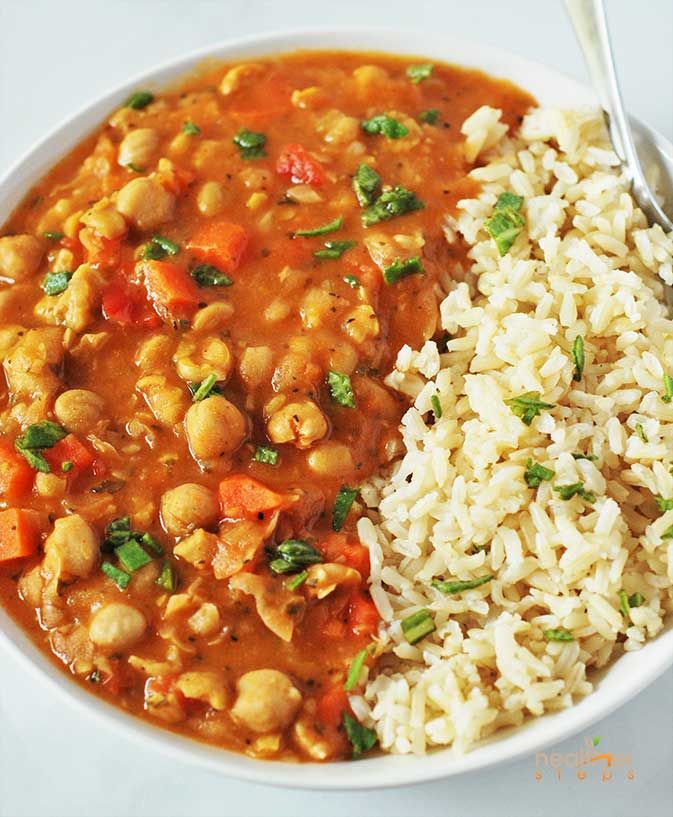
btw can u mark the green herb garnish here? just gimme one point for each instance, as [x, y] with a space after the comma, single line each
[528, 405]
[206, 388]
[296, 581]
[436, 406]
[53, 235]
[119, 533]
[430, 116]
[67, 465]
[342, 505]
[159, 247]
[352, 281]
[418, 625]
[567, 492]
[578, 455]
[366, 184]
[207, 275]
[54, 283]
[250, 144]
[668, 388]
[390, 204]
[535, 474]
[385, 125]
[640, 431]
[663, 504]
[191, 129]
[134, 168]
[401, 269]
[361, 738]
[451, 588]
[267, 455]
[578, 357]
[355, 669]
[417, 73]
[35, 439]
[292, 555]
[340, 388]
[506, 222]
[560, 634]
[139, 100]
[119, 577]
[167, 578]
[636, 599]
[132, 556]
[330, 227]
[334, 249]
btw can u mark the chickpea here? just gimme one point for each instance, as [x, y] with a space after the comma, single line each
[210, 199]
[238, 75]
[331, 459]
[117, 626]
[50, 485]
[187, 507]
[195, 359]
[104, 220]
[214, 427]
[79, 409]
[361, 323]
[256, 365]
[145, 203]
[267, 701]
[72, 548]
[299, 423]
[212, 317]
[206, 620]
[137, 147]
[20, 256]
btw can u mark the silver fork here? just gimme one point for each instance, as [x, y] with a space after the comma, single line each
[590, 23]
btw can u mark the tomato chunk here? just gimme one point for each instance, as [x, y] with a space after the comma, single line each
[70, 450]
[243, 497]
[16, 476]
[19, 534]
[331, 705]
[363, 617]
[220, 243]
[170, 288]
[338, 547]
[297, 163]
[128, 306]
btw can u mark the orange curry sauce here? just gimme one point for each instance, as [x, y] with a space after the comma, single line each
[227, 296]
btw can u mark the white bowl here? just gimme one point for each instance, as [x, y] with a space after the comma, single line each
[618, 684]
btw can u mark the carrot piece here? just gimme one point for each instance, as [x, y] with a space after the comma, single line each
[70, 449]
[107, 252]
[170, 288]
[363, 617]
[331, 705]
[19, 534]
[129, 306]
[16, 476]
[220, 243]
[297, 163]
[242, 497]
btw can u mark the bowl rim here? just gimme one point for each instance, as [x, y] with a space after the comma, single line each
[384, 770]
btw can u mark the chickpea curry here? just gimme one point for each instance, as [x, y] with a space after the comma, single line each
[198, 307]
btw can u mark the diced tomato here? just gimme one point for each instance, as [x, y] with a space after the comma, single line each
[177, 180]
[107, 253]
[338, 547]
[128, 306]
[72, 244]
[363, 617]
[16, 476]
[70, 449]
[242, 497]
[298, 164]
[19, 534]
[220, 243]
[331, 706]
[170, 288]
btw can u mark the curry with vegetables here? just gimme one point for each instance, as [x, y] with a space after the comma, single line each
[198, 307]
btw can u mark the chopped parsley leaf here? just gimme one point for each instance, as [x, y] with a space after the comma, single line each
[430, 116]
[361, 738]
[139, 100]
[250, 144]
[206, 388]
[334, 249]
[191, 129]
[506, 222]
[391, 203]
[417, 73]
[401, 269]
[266, 454]
[54, 283]
[159, 247]
[366, 184]
[207, 275]
[340, 388]
[385, 125]
[342, 505]
[330, 227]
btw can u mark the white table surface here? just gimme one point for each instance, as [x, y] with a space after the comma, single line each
[54, 56]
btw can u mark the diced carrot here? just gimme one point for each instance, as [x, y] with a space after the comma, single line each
[338, 547]
[170, 288]
[331, 706]
[16, 476]
[19, 534]
[70, 449]
[363, 617]
[297, 163]
[242, 497]
[220, 243]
